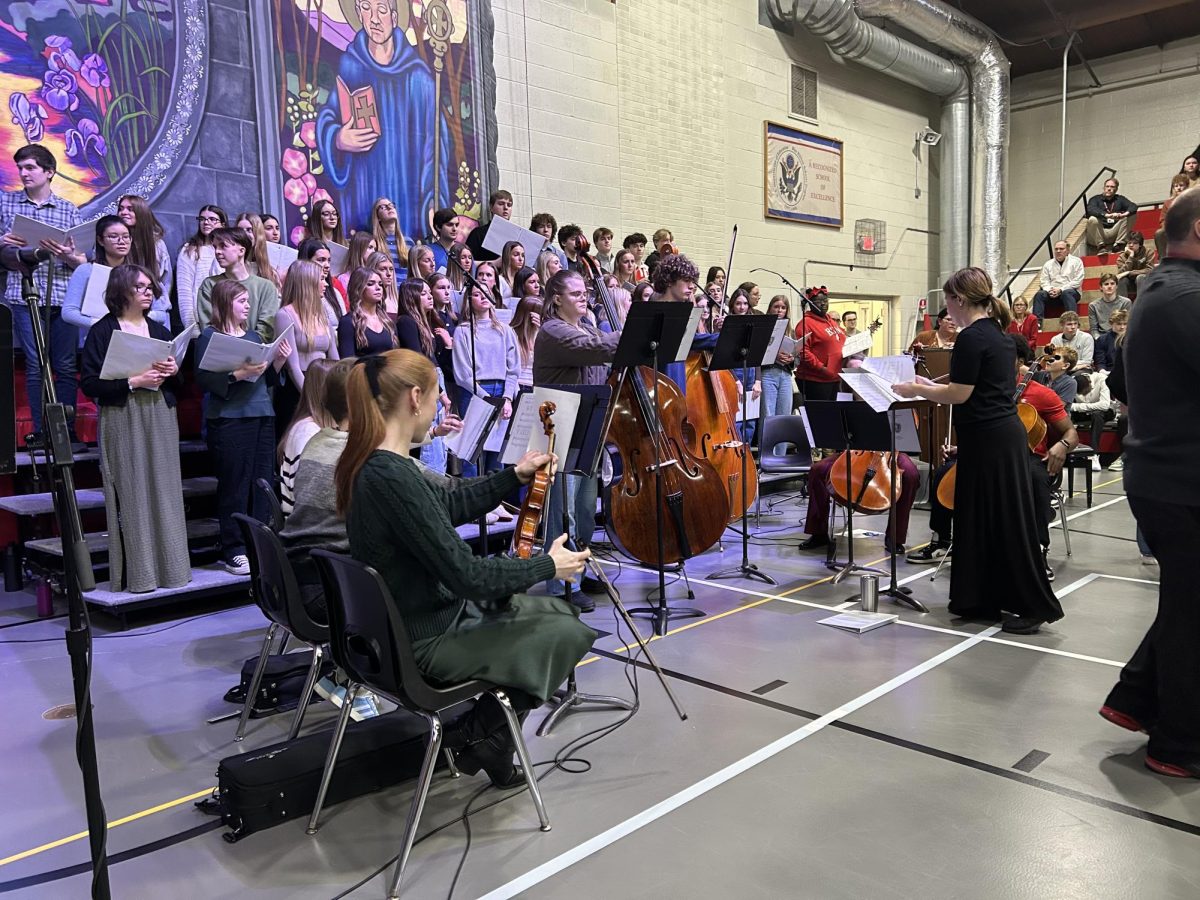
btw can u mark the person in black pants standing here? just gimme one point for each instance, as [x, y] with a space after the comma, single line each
[1159, 685]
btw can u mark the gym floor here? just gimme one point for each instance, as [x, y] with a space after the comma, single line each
[930, 758]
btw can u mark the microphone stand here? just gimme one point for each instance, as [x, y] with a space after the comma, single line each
[804, 301]
[77, 575]
[470, 282]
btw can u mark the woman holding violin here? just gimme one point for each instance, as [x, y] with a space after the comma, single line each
[997, 566]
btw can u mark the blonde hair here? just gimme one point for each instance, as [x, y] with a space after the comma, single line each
[376, 390]
[260, 257]
[1119, 316]
[302, 292]
[973, 286]
[380, 232]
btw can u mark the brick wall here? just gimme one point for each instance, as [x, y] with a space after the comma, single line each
[223, 165]
[1142, 122]
[651, 114]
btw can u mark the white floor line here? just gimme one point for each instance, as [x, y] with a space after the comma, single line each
[1057, 523]
[1135, 580]
[662, 808]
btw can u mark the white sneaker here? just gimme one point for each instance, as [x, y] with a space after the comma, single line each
[1096, 467]
[365, 706]
[1149, 560]
[326, 689]
[1117, 464]
[239, 566]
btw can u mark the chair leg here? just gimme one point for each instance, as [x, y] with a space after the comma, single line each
[256, 680]
[306, 694]
[335, 744]
[1066, 528]
[1071, 480]
[451, 764]
[418, 801]
[1088, 482]
[514, 726]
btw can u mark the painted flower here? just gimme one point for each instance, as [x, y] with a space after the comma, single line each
[59, 90]
[295, 163]
[86, 136]
[319, 194]
[308, 134]
[29, 116]
[297, 235]
[60, 54]
[95, 71]
[295, 192]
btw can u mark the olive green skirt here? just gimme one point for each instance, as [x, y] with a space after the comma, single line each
[532, 645]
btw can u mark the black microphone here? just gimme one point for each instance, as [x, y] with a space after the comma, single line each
[803, 299]
[22, 259]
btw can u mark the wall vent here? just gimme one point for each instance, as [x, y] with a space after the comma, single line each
[804, 94]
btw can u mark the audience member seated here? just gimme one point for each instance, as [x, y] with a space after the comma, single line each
[1101, 309]
[1078, 340]
[1191, 170]
[1106, 345]
[816, 523]
[1061, 279]
[1135, 261]
[1057, 366]
[940, 336]
[1179, 184]
[1094, 407]
[1109, 219]
[310, 418]
[1024, 322]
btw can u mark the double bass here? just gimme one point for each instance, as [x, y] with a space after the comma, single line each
[692, 507]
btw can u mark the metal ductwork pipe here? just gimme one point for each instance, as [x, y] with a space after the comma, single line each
[848, 36]
[972, 42]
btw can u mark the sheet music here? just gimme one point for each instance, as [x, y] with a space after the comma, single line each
[34, 232]
[899, 369]
[132, 354]
[281, 256]
[226, 353]
[337, 257]
[873, 390]
[526, 431]
[498, 432]
[93, 296]
[685, 346]
[753, 408]
[501, 231]
[179, 346]
[857, 343]
[477, 418]
[504, 315]
[778, 339]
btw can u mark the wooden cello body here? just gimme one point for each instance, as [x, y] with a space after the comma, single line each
[694, 509]
[864, 483]
[712, 432]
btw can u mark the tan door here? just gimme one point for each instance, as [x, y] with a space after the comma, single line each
[869, 310]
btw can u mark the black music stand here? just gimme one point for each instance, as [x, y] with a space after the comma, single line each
[655, 331]
[743, 345]
[896, 591]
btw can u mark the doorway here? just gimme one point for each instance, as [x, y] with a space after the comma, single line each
[870, 308]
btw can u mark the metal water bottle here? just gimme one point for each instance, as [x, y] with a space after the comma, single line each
[868, 593]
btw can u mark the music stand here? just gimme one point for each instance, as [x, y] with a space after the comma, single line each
[654, 331]
[743, 345]
[897, 592]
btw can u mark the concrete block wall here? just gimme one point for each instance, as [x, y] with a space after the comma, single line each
[1142, 121]
[641, 115]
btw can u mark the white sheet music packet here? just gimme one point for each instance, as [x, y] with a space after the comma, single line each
[226, 353]
[132, 354]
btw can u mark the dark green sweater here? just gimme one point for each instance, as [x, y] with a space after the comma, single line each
[402, 524]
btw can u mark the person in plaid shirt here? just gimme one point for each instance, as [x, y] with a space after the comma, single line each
[36, 167]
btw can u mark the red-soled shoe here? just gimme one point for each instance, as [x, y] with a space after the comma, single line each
[1172, 770]
[1122, 720]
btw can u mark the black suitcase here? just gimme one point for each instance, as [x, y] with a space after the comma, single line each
[282, 682]
[265, 787]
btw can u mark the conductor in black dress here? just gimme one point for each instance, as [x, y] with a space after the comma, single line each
[997, 559]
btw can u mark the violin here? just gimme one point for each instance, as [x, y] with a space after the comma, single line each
[693, 507]
[862, 480]
[529, 521]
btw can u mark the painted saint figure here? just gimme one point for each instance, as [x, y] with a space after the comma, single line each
[381, 144]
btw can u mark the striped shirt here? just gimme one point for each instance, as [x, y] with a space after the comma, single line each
[55, 212]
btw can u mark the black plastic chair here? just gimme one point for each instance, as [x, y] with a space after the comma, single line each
[795, 460]
[275, 590]
[1080, 458]
[371, 644]
[268, 491]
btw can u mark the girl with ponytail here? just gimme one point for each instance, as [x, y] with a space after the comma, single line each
[401, 521]
[998, 565]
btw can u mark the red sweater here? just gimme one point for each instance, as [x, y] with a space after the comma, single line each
[1028, 327]
[821, 359]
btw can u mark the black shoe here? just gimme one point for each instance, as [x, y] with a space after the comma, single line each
[1046, 565]
[1119, 247]
[888, 548]
[815, 542]
[582, 601]
[931, 554]
[590, 585]
[494, 755]
[1021, 625]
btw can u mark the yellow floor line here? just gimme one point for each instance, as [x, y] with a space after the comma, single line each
[113, 824]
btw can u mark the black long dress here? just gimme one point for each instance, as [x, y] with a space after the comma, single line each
[997, 560]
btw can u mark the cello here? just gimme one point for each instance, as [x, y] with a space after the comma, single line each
[648, 438]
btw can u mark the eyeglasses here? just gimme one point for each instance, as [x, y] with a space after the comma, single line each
[208, 220]
[1051, 359]
[118, 238]
[143, 287]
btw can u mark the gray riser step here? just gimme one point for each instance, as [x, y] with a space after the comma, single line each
[92, 498]
[206, 581]
[92, 454]
[97, 541]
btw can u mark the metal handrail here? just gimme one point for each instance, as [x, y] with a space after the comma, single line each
[1006, 291]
